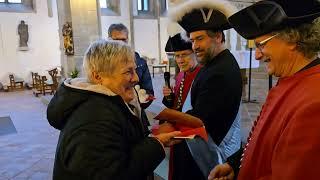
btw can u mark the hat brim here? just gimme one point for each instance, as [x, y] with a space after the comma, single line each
[176, 43]
[264, 17]
[291, 21]
[258, 19]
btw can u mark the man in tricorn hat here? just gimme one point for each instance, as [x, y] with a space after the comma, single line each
[284, 141]
[189, 68]
[216, 90]
[176, 98]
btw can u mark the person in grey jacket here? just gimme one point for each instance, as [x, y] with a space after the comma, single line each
[101, 135]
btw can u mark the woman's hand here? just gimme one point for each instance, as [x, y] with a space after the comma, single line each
[221, 172]
[166, 127]
[167, 138]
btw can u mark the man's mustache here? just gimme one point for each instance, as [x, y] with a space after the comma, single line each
[198, 50]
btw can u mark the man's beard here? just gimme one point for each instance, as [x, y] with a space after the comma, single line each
[208, 56]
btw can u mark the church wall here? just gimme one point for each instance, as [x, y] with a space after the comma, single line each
[44, 46]
[44, 51]
[106, 21]
[146, 37]
[163, 36]
[145, 32]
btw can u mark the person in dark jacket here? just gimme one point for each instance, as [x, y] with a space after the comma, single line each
[189, 68]
[101, 135]
[120, 32]
[217, 88]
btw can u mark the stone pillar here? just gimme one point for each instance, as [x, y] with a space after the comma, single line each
[84, 16]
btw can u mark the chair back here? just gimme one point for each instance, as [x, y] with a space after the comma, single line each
[53, 73]
[11, 77]
[33, 76]
[12, 82]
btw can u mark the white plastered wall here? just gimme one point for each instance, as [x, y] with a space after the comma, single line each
[44, 51]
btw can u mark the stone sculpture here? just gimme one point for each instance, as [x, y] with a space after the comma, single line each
[24, 36]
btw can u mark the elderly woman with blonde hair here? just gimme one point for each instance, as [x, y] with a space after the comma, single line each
[101, 135]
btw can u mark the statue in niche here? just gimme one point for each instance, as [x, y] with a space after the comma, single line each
[24, 36]
[67, 39]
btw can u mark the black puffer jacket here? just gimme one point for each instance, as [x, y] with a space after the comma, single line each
[100, 138]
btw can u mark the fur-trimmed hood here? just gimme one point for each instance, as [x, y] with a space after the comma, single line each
[70, 95]
[75, 92]
[83, 84]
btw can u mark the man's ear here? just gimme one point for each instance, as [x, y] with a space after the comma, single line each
[218, 37]
[96, 77]
[293, 46]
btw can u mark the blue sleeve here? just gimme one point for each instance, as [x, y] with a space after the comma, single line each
[145, 80]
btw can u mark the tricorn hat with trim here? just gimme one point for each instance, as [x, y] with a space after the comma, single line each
[266, 16]
[195, 15]
[177, 43]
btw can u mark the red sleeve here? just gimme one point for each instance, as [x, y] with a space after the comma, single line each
[296, 155]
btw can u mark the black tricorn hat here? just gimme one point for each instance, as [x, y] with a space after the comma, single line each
[177, 43]
[195, 15]
[266, 16]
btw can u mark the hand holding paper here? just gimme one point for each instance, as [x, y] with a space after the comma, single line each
[189, 125]
[167, 138]
[177, 117]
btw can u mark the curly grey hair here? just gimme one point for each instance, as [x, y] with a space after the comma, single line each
[103, 56]
[306, 36]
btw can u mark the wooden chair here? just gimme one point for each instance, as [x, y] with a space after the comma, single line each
[42, 85]
[54, 76]
[33, 76]
[36, 84]
[15, 83]
[47, 86]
